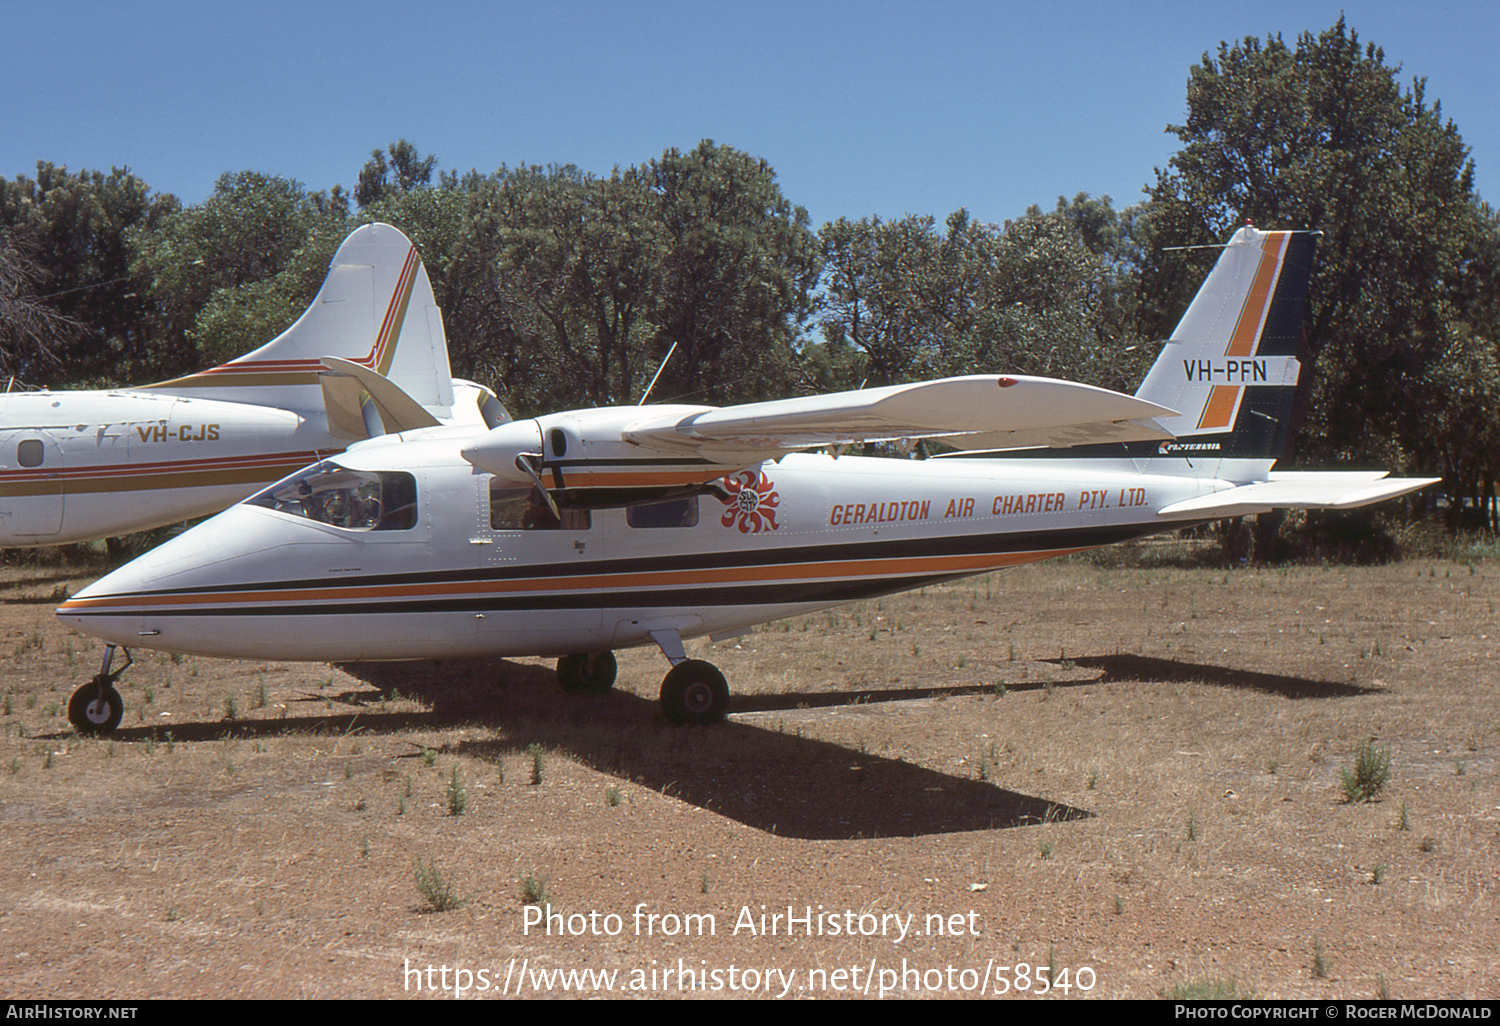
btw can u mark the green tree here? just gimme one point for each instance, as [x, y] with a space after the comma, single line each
[77, 229]
[978, 298]
[735, 278]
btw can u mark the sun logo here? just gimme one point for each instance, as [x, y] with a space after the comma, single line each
[751, 504]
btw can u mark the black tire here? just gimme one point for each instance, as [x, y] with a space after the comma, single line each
[694, 692]
[96, 709]
[591, 673]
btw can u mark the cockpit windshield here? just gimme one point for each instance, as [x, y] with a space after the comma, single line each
[356, 500]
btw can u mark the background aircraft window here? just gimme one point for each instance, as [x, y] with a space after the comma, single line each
[672, 513]
[29, 453]
[524, 509]
[352, 499]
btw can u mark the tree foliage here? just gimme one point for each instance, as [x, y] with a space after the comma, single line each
[77, 231]
[1023, 297]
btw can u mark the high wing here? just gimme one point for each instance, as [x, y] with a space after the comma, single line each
[672, 447]
[1021, 411]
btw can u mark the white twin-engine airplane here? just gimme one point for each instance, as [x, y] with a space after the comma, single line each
[81, 465]
[577, 533]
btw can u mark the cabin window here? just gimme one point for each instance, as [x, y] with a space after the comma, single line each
[356, 500]
[29, 453]
[681, 512]
[524, 509]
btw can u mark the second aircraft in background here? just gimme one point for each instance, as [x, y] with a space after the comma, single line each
[369, 355]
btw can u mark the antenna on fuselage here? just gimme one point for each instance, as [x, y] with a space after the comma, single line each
[663, 367]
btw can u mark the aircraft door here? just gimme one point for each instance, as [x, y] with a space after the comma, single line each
[32, 485]
[534, 555]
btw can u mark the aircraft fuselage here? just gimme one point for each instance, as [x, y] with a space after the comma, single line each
[465, 578]
[80, 465]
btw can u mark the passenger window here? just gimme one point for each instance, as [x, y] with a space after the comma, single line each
[29, 453]
[352, 499]
[524, 509]
[672, 513]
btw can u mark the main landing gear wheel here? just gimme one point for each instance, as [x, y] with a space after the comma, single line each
[694, 692]
[587, 673]
[96, 707]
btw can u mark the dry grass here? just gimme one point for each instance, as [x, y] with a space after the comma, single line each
[1131, 770]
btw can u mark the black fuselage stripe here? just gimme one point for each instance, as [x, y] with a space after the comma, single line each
[963, 545]
[677, 598]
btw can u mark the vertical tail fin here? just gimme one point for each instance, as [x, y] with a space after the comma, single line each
[375, 309]
[1231, 366]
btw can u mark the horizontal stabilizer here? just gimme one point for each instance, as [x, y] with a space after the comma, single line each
[1299, 490]
[398, 411]
[1038, 410]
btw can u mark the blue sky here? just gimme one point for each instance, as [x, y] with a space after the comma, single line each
[863, 107]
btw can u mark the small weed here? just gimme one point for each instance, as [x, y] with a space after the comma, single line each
[703, 883]
[1372, 771]
[538, 763]
[458, 798]
[534, 890]
[1319, 960]
[1046, 849]
[429, 756]
[1403, 819]
[1272, 766]
[1093, 780]
[348, 771]
[1119, 905]
[437, 892]
[1378, 873]
[1382, 988]
[1458, 767]
[1206, 989]
[1192, 826]
[612, 796]
[229, 708]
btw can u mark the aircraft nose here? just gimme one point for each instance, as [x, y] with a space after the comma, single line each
[119, 607]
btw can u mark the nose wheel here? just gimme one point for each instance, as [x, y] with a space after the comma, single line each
[96, 707]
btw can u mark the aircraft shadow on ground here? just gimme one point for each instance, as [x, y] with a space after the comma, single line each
[766, 778]
[1124, 666]
[769, 779]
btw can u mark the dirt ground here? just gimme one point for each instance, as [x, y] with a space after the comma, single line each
[1098, 782]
